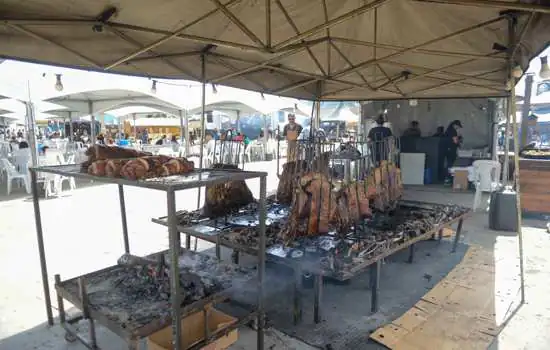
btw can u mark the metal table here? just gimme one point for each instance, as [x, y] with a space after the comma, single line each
[169, 185]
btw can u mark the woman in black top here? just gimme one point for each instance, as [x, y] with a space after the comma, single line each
[452, 142]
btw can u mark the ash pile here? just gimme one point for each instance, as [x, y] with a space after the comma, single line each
[137, 291]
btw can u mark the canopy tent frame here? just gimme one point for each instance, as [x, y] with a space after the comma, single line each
[390, 84]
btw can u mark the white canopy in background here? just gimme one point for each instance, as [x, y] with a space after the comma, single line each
[99, 101]
[332, 49]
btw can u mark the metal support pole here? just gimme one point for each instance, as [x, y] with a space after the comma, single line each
[124, 220]
[173, 237]
[318, 295]
[410, 260]
[92, 122]
[238, 121]
[134, 122]
[297, 295]
[457, 235]
[512, 26]
[71, 131]
[375, 284]
[203, 106]
[261, 262]
[182, 128]
[525, 111]
[518, 195]
[187, 139]
[506, 167]
[41, 250]
[31, 130]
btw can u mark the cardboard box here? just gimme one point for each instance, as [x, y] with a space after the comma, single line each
[460, 181]
[193, 331]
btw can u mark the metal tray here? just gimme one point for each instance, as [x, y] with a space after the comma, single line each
[136, 316]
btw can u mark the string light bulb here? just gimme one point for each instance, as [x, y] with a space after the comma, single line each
[154, 87]
[214, 89]
[544, 69]
[58, 82]
[517, 72]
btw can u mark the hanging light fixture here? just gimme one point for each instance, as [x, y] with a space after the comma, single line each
[262, 94]
[517, 71]
[154, 87]
[214, 89]
[58, 83]
[413, 103]
[544, 69]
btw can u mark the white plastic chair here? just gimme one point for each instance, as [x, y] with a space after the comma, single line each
[13, 174]
[58, 181]
[486, 178]
[50, 180]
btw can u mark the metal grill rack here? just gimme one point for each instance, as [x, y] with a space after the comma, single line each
[217, 231]
[75, 290]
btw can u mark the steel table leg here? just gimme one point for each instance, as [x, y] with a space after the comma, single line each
[457, 234]
[440, 235]
[60, 305]
[86, 312]
[375, 284]
[297, 295]
[188, 242]
[41, 250]
[235, 257]
[174, 270]
[124, 221]
[317, 298]
[411, 254]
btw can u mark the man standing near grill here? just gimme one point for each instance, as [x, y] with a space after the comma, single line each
[376, 137]
[291, 131]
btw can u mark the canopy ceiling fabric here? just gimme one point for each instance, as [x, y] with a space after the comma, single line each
[328, 49]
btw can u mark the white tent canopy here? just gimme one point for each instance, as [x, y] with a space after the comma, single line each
[333, 49]
[100, 101]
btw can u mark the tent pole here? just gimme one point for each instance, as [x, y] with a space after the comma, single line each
[180, 112]
[203, 106]
[71, 132]
[506, 171]
[134, 121]
[31, 132]
[92, 122]
[187, 140]
[526, 109]
[512, 25]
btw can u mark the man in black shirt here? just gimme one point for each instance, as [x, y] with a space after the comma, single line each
[376, 137]
[413, 130]
[451, 143]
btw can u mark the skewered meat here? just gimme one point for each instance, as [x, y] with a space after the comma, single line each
[97, 168]
[318, 189]
[114, 166]
[99, 152]
[288, 179]
[113, 152]
[143, 167]
[222, 199]
[358, 201]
